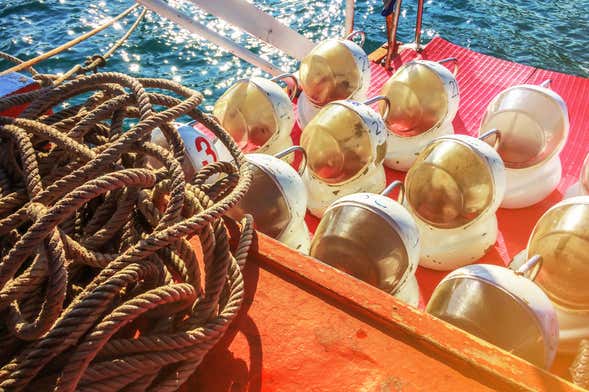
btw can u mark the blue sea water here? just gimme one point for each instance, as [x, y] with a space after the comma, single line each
[549, 34]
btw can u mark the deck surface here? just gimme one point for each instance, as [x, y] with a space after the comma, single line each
[307, 327]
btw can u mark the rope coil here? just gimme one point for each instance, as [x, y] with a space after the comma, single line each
[100, 288]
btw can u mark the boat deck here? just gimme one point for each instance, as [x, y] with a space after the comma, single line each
[306, 326]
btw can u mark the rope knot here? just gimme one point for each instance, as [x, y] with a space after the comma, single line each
[93, 62]
[45, 80]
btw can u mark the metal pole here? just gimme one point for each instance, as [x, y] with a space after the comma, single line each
[164, 10]
[349, 16]
[418, 22]
[392, 27]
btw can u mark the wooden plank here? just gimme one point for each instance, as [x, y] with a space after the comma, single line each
[378, 55]
[253, 20]
[307, 326]
[448, 343]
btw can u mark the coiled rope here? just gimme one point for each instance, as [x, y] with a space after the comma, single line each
[100, 288]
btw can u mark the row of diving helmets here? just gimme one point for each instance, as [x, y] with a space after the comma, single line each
[259, 115]
[346, 140]
[421, 102]
[457, 182]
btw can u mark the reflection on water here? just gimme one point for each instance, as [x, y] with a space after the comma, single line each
[548, 34]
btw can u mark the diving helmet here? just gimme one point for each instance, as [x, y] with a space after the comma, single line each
[373, 238]
[501, 306]
[277, 200]
[258, 114]
[561, 239]
[533, 126]
[454, 189]
[424, 100]
[202, 147]
[345, 144]
[335, 69]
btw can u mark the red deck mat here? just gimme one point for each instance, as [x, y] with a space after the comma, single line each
[480, 78]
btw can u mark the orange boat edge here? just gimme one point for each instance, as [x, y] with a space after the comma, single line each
[307, 326]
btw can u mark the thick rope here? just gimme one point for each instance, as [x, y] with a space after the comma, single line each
[16, 60]
[100, 288]
[93, 62]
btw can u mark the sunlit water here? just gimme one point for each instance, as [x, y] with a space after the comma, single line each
[543, 33]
